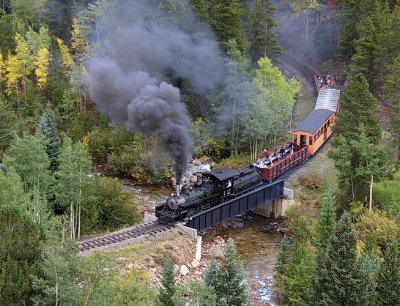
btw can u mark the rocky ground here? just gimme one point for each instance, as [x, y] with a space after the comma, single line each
[150, 255]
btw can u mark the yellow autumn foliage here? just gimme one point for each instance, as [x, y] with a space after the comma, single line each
[42, 66]
[20, 65]
[65, 55]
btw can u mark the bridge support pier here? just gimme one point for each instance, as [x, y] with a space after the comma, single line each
[278, 207]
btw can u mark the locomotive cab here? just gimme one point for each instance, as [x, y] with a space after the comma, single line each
[223, 180]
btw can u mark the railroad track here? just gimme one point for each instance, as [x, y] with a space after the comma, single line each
[307, 71]
[133, 232]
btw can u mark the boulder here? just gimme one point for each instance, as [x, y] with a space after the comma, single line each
[184, 270]
[176, 269]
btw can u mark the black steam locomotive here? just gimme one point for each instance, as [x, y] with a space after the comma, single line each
[216, 186]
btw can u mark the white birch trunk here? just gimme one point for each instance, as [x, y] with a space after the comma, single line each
[370, 192]
[72, 216]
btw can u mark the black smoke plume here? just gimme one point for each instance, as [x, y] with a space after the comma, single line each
[127, 78]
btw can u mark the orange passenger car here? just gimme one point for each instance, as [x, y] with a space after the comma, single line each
[317, 127]
[314, 130]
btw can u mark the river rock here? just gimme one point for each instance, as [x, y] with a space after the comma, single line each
[184, 270]
[283, 230]
[176, 269]
[270, 227]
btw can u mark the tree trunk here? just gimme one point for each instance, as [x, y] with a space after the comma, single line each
[234, 149]
[76, 220]
[79, 220]
[370, 192]
[307, 25]
[57, 286]
[72, 221]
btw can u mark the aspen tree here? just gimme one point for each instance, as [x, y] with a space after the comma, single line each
[42, 65]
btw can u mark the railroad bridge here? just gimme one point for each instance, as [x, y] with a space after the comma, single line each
[266, 199]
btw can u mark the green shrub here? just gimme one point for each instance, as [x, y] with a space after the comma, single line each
[160, 169]
[99, 145]
[117, 208]
[376, 230]
[134, 288]
[386, 195]
[128, 161]
[311, 180]
[110, 209]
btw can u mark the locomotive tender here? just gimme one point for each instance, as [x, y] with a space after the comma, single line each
[222, 184]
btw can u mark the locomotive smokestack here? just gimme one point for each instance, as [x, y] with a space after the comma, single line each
[178, 177]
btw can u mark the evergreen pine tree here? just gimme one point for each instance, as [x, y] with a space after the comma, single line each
[352, 13]
[325, 230]
[9, 125]
[357, 105]
[230, 287]
[19, 254]
[391, 96]
[298, 273]
[262, 39]
[211, 273]
[225, 21]
[326, 223]
[340, 277]
[283, 257]
[201, 295]
[48, 127]
[367, 49]
[358, 162]
[168, 290]
[388, 279]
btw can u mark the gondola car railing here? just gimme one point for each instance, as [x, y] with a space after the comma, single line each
[290, 161]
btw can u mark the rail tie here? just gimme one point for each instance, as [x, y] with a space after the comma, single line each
[150, 229]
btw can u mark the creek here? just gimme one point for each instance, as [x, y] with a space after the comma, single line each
[257, 247]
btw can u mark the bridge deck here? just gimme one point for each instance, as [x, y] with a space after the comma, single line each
[264, 194]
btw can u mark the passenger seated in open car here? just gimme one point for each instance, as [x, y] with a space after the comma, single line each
[289, 147]
[282, 152]
[266, 153]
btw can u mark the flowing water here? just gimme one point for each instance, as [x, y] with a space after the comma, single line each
[257, 247]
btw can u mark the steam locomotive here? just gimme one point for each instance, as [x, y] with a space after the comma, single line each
[215, 187]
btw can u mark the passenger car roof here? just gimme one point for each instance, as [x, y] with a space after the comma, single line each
[314, 121]
[222, 173]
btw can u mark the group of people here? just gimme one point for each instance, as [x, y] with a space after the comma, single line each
[327, 82]
[279, 153]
